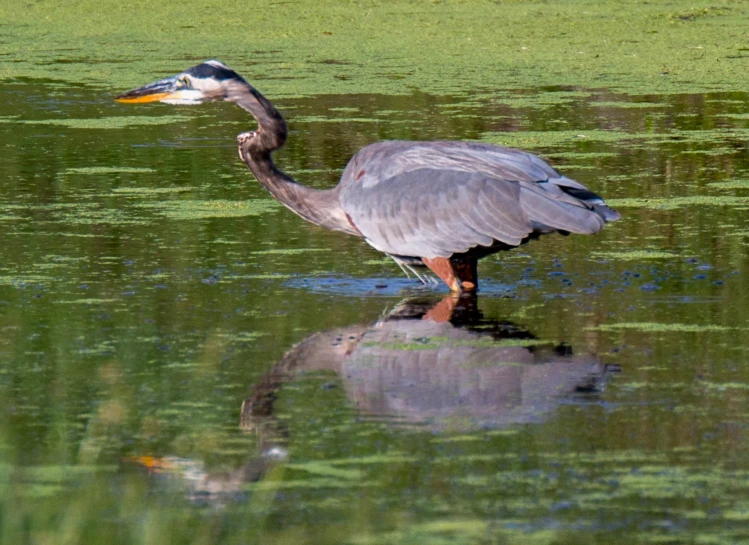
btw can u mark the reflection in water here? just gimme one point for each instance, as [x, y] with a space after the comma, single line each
[137, 307]
[442, 366]
[211, 487]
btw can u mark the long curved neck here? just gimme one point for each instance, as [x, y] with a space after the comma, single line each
[319, 207]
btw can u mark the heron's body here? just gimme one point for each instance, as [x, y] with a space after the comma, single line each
[440, 204]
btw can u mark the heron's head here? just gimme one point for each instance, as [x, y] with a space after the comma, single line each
[211, 80]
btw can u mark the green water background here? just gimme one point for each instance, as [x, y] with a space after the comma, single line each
[147, 283]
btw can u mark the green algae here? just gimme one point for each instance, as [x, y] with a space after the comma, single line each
[376, 459]
[622, 104]
[634, 255]
[655, 327]
[726, 386]
[581, 154]
[731, 184]
[289, 251]
[241, 337]
[542, 139]
[88, 301]
[191, 210]
[645, 140]
[457, 439]
[735, 116]
[525, 343]
[717, 151]
[322, 119]
[385, 47]
[24, 280]
[107, 170]
[148, 191]
[674, 203]
[119, 122]
[326, 469]
[93, 215]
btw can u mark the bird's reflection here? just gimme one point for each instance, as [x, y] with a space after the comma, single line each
[441, 365]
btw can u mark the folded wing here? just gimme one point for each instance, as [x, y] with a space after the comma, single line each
[444, 198]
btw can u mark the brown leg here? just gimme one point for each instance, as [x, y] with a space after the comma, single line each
[467, 273]
[442, 267]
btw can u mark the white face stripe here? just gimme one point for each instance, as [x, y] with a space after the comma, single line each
[185, 96]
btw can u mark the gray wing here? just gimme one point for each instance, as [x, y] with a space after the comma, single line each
[436, 199]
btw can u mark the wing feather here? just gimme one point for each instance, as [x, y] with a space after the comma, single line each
[436, 199]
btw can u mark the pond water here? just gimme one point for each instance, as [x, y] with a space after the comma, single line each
[182, 360]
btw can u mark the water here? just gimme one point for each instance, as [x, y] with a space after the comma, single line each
[184, 361]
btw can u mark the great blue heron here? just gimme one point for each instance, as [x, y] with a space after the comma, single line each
[439, 204]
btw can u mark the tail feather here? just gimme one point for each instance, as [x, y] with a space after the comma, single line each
[606, 213]
[593, 199]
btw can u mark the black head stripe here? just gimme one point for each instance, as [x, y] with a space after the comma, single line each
[206, 70]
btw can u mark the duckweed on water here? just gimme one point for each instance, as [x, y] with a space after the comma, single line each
[89, 301]
[190, 210]
[655, 327]
[622, 104]
[326, 469]
[289, 251]
[322, 119]
[673, 203]
[147, 191]
[24, 280]
[581, 154]
[107, 170]
[732, 184]
[241, 337]
[92, 215]
[118, 122]
[634, 255]
[555, 139]
[541, 139]
[726, 386]
[312, 48]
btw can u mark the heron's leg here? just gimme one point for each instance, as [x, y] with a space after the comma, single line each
[442, 267]
[467, 273]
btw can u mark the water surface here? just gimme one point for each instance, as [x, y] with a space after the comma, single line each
[149, 287]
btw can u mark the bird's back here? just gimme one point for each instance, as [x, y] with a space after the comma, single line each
[383, 161]
[437, 199]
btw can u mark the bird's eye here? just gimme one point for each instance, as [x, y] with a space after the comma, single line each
[184, 81]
